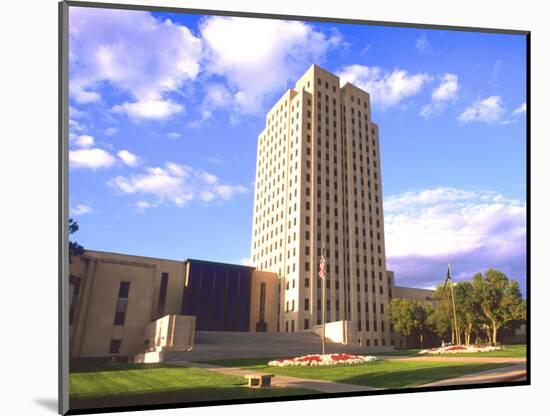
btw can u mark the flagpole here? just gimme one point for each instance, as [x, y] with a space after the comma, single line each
[323, 305]
[457, 335]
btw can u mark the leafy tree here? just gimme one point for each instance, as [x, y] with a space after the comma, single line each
[410, 318]
[441, 320]
[498, 298]
[401, 316]
[469, 318]
[75, 249]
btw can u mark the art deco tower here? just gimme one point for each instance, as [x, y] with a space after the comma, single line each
[318, 188]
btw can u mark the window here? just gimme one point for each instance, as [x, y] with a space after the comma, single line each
[262, 301]
[76, 282]
[114, 347]
[123, 290]
[162, 293]
[122, 303]
[306, 323]
[306, 304]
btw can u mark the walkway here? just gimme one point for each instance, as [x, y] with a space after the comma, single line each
[283, 381]
[490, 360]
[516, 371]
[513, 373]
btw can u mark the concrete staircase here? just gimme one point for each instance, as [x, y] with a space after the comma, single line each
[211, 345]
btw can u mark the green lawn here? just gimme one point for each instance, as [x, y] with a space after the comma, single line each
[511, 351]
[156, 381]
[383, 374]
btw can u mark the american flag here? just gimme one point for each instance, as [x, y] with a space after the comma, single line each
[322, 267]
[448, 276]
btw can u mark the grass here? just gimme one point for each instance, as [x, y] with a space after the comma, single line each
[509, 351]
[161, 382]
[383, 374]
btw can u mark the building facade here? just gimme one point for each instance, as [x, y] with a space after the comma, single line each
[118, 300]
[318, 192]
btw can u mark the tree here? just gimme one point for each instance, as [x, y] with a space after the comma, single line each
[410, 318]
[75, 249]
[442, 320]
[468, 314]
[498, 298]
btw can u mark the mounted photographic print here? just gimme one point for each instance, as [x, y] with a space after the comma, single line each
[264, 208]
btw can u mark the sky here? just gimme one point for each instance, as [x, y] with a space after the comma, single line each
[165, 111]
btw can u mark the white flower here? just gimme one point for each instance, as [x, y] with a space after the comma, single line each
[321, 360]
[463, 349]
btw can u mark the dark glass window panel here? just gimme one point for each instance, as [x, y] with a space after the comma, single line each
[123, 290]
[114, 347]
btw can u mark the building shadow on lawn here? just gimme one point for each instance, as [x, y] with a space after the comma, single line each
[92, 367]
[191, 395]
[415, 377]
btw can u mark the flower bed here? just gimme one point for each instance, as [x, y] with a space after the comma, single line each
[459, 349]
[326, 359]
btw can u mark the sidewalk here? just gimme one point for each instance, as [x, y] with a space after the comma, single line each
[284, 381]
[513, 373]
[510, 373]
[434, 358]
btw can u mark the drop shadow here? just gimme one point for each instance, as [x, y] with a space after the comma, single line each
[47, 403]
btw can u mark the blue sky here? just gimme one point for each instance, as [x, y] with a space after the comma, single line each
[165, 110]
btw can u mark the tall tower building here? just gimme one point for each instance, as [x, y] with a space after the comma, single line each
[318, 190]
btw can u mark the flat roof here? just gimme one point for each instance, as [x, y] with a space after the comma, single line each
[216, 263]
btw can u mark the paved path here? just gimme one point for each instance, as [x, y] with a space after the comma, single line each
[435, 358]
[516, 371]
[283, 381]
[512, 373]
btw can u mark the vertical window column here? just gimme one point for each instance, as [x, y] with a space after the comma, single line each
[122, 303]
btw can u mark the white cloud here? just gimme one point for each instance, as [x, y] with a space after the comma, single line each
[257, 56]
[75, 127]
[208, 178]
[444, 92]
[128, 158]
[93, 158]
[432, 109]
[385, 88]
[227, 192]
[481, 229]
[111, 131]
[134, 53]
[521, 109]
[423, 45]
[175, 184]
[489, 110]
[447, 89]
[174, 135]
[216, 96]
[444, 221]
[75, 112]
[149, 109]
[246, 261]
[142, 206]
[495, 74]
[80, 209]
[84, 141]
